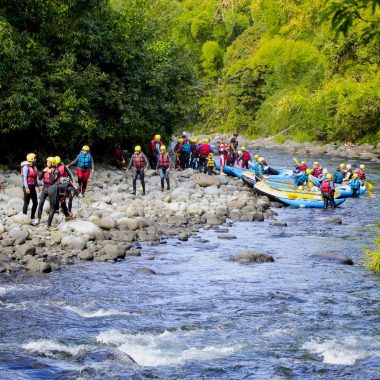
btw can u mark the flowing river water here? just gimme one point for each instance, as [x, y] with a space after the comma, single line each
[204, 316]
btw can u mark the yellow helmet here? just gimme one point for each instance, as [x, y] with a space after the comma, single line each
[242, 148]
[194, 140]
[240, 152]
[308, 171]
[211, 155]
[256, 156]
[261, 159]
[30, 157]
[316, 163]
[362, 166]
[157, 137]
[356, 175]
[57, 160]
[86, 148]
[137, 148]
[328, 176]
[52, 160]
[342, 166]
[162, 148]
[303, 162]
[181, 140]
[206, 141]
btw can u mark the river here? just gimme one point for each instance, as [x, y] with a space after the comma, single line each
[204, 316]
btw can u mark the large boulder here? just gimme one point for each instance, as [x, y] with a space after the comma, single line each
[22, 219]
[127, 224]
[83, 227]
[38, 266]
[205, 180]
[24, 250]
[253, 257]
[333, 257]
[16, 204]
[14, 192]
[107, 223]
[74, 243]
[20, 236]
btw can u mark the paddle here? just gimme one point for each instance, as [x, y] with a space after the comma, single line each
[296, 161]
[369, 185]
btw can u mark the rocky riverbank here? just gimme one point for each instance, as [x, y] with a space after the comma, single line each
[111, 223]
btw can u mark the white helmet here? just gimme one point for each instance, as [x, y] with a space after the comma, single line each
[184, 134]
[325, 171]
[348, 166]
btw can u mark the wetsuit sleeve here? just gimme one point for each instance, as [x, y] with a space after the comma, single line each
[146, 161]
[55, 176]
[25, 170]
[130, 163]
[75, 161]
[69, 174]
[41, 176]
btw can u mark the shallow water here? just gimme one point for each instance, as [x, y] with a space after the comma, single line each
[204, 315]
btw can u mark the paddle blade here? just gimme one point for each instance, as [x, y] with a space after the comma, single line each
[369, 186]
[295, 160]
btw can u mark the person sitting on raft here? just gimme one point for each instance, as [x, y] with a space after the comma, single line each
[85, 165]
[349, 173]
[302, 179]
[258, 168]
[244, 158]
[322, 176]
[327, 191]
[339, 174]
[355, 184]
[361, 172]
[301, 167]
[317, 169]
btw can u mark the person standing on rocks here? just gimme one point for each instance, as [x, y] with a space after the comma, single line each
[194, 153]
[210, 164]
[163, 165]
[140, 163]
[85, 166]
[234, 143]
[204, 150]
[155, 146]
[64, 172]
[49, 177]
[30, 184]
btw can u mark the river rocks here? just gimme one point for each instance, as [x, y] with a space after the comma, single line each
[333, 257]
[86, 255]
[38, 266]
[20, 236]
[253, 257]
[107, 223]
[72, 242]
[205, 180]
[258, 216]
[278, 224]
[24, 250]
[214, 220]
[237, 203]
[146, 271]
[226, 236]
[7, 242]
[22, 219]
[127, 224]
[2, 229]
[333, 220]
[82, 227]
[183, 236]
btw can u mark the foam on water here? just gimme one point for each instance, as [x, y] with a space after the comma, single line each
[96, 313]
[342, 352]
[46, 346]
[167, 348]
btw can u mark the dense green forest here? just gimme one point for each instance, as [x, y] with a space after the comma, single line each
[106, 71]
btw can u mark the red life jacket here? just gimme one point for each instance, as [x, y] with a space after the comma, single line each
[194, 148]
[47, 179]
[118, 152]
[361, 174]
[178, 148]
[138, 160]
[326, 187]
[153, 145]
[204, 150]
[317, 172]
[163, 160]
[62, 171]
[302, 168]
[246, 156]
[32, 175]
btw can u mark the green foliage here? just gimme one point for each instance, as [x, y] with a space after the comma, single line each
[212, 59]
[373, 257]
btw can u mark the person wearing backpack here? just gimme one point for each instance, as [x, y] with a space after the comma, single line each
[185, 154]
[85, 166]
[245, 158]
[30, 184]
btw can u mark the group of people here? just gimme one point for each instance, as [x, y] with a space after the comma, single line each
[328, 180]
[57, 184]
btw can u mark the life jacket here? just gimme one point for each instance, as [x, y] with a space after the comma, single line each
[301, 168]
[62, 171]
[326, 187]
[301, 179]
[84, 161]
[317, 172]
[118, 152]
[204, 149]
[338, 177]
[230, 160]
[361, 174]
[47, 178]
[32, 174]
[194, 148]
[355, 184]
[256, 168]
[153, 145]
[163, 160]
[186, 148]
[246, 156]
[210, 162]
[178, 149]
[138, 160]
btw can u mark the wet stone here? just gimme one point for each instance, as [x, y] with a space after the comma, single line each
[227, 236]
